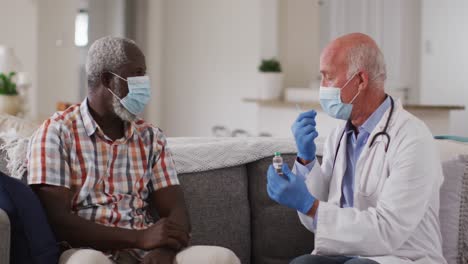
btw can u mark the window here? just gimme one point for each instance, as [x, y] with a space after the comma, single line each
[81, 28]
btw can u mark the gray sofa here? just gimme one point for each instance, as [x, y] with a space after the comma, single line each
[229, 207]
[5, 237]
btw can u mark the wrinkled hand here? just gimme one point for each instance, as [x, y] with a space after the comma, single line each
[163, 233]
[159, 256]
[304, 132]
[289, 190]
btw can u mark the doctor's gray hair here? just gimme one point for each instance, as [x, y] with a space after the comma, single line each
[106, 54]
[368, 58]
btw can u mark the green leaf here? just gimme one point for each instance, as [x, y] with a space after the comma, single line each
[7, 85]
[271, 65]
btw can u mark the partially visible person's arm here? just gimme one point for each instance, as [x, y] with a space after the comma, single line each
[169, 202]
[77, 231]
[167, 197]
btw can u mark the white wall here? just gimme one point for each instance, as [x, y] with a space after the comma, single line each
[410, 72]
[153, 41]
[394, 25]
[299, 40]
[210, 57]
[107, 17]
[203, 55]
[444, 58]
[57, 55]
[42, 33]
[18, 20]
[269, 22]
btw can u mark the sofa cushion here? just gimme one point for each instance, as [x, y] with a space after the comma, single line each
[277, 234]
[218, 206]
[5, 235]
[454, 201]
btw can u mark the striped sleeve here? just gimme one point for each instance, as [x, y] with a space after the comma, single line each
[48, 158]
[164, 171]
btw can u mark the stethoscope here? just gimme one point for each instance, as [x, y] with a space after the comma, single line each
[382, 133]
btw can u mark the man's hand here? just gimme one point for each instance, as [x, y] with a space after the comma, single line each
[163, 233]
[289, 190]
[305, 133]
[159, 256]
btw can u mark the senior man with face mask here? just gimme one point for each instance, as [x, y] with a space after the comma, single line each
[375, 196]
[100, 172]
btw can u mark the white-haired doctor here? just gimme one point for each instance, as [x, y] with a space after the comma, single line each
[375, 197]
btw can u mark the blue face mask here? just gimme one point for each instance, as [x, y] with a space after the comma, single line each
[139, 93]
[330, 100]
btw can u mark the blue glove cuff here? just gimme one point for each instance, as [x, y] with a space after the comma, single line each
[307, 205]
[306, 157]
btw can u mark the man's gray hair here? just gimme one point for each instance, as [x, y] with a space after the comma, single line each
[368, 58]
[106, 54]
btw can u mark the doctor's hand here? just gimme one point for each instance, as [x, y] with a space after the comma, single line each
[289, 190]
[305, 133]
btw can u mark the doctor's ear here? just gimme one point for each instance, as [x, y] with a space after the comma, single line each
[363, 78]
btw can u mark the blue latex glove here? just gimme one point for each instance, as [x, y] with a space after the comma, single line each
[305, 133]
[289, 190]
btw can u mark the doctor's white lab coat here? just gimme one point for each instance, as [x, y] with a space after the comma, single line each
[395, 218]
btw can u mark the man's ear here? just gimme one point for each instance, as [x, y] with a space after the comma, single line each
[363, 78]
[106, 79]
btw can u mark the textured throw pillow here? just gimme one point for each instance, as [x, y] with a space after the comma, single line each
[454, 201]
[14, 139]
[22, 127]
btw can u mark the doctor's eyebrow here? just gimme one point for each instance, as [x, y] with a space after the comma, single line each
[326, 75]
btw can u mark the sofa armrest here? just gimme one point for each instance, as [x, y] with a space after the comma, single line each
[4, 237]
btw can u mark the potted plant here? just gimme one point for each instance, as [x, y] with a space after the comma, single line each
[271, 80]
[9, 99]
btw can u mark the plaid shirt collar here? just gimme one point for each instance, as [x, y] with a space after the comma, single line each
[92, 127]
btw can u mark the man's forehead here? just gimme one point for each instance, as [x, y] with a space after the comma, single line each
[332, 57]
[131, 67]
[134, 64]
[135, 58]
[134, 53]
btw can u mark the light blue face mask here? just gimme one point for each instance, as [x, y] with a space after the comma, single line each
[139, 93]
[330, 100]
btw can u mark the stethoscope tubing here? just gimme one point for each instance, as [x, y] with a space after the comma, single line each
[381, 133]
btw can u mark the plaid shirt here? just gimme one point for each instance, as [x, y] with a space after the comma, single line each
[110, 180]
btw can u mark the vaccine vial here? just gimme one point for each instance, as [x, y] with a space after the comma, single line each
[278, 163]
